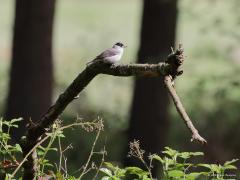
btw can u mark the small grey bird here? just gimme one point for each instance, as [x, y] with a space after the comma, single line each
[111, 55]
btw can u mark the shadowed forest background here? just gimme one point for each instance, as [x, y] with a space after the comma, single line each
[209, 87]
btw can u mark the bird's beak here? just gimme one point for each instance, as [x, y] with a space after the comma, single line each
[124, 46]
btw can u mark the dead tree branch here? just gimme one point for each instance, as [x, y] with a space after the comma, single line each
[179, 106]
[170, 68]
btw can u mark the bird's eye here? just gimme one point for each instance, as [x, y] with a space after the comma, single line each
[119, 44]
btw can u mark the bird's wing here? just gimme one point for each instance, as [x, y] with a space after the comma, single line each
[107, 53]
[104, 54]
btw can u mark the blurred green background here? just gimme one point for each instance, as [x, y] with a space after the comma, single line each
[209, 87]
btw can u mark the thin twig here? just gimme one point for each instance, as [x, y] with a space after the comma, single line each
[28, 154]
[60, 154]
[90, 155]
[44, 139]
[181, 110]
[101, 164]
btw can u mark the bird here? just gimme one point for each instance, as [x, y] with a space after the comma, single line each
[111, 55]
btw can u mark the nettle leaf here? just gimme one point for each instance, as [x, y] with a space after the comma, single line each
[187, 155]
[184, 155]
[196, 153]
[205, 165]
[110, 165]
[59, 176]
[229, 167]
[7, 123]
[41, 148]
[107, 178]
[117, 172]
[106, 171]
[53, 149]
[71, 178]
[230, 162]
[40, 152]
[180, 166]
[137, 171]
[194, 175]
[16, 120]
[170, 152]
[18, 147]
[168, 161]
[156, 157]
[216, 168]
[61, 135]
[45, 162]
[175, 173]
[212, 167]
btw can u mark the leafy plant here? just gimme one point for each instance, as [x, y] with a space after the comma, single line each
[175, 164]
[8, 152]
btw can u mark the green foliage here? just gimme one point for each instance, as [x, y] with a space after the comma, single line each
[112, 172]
[175, 164]
[8, 152]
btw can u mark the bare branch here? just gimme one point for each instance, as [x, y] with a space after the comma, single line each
[181, 110]
[170, 68]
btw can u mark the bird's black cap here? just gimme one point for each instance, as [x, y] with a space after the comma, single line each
[120, 44]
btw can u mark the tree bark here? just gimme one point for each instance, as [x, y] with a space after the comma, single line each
[149, 112]
[31, 74]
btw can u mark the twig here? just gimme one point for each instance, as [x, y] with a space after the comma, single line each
[45, 138]
[90, 155]
[101, 164]
[28, 154]
[181, 110]
[137, 152]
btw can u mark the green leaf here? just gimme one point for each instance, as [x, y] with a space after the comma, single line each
[180, 166]
[216, 168]
[105, 178]
[16, 120]
[205, 165]
[175, 173]
[170, 152]
[194, 175]
[61, 135]
[184, 155]
[187, 155]
[106, 171]
[59, 176]
[40, 152]
[53, 149]
[156, 157]
[229, 167]
[136, 171]
[110, 166]
[230, 162]
[196, 153]
[212, 167]
[168, 161]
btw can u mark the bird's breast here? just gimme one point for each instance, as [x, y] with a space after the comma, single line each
[113, 59]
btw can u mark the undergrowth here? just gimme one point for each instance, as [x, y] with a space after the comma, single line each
[174, 164]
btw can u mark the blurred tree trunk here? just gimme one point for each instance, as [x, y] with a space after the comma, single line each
[149, 111]
[31, 76]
